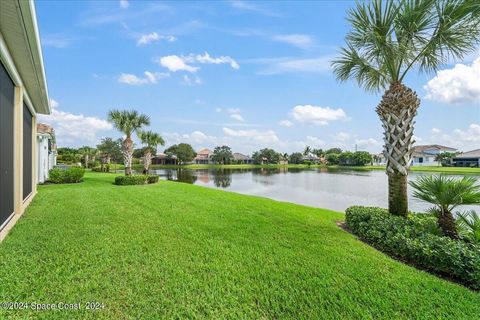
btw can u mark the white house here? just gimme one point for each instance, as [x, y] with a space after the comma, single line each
[46, 151]
[426, 155]
[23, 95]
[467, 159]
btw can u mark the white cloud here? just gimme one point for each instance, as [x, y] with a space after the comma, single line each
[207, 59]
[302, 41]
[368, 143]
[294, 65]
[195, 138]
[150, 77]
[250, 6]
[175, 63]
[341, 136]
[285, 123]
[74, 129]
[236, 117]
[461, 84]
[190, 81]
[317, 115]
[436, 131]
[56, 41]
[53, 103]
[124, 4]
[315, 142]
[472, 134]
[151, 37]
[265, 137]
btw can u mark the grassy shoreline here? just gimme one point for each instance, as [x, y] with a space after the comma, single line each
[452, 170]
[174, 250]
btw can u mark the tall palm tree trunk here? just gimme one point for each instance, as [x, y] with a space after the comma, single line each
[127, 151]
[396, 111]
[147, 160]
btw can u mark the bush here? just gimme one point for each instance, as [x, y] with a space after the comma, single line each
[66, 175]
[152, 178]
[417, 240]
[136, 179]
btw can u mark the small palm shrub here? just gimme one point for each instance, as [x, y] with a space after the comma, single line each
[69, 175]
[418, 240]
[445, 194]
[468, 224]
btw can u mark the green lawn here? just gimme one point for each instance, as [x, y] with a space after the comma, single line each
[175, 250]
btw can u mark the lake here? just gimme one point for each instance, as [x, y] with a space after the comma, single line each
[334, 189]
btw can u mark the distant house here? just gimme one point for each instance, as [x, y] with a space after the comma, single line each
[379, 159]
[46, 151]
[203, 157]
[241, 158]
[312, 158]
[163, 159]
[426, 155]
[467, 159]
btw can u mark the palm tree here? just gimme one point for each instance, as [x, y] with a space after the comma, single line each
[446, 194]
[127, 122]
[389, 39]
[468, 224]
[86, 152]
[151, 140]
[307, 151]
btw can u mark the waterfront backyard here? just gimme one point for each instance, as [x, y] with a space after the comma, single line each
[173, 250]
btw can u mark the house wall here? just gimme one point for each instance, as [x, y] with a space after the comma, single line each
[43, 160]
[22, 190]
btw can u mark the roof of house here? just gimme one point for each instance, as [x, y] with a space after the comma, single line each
[43, 128]
[204, 152]
[240, 156]
[423, 148]
[165, 156]
[21, 52]
[470, 154]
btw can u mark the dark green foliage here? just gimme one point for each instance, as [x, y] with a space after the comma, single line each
[332, 158]
[362, 158]
[183, 151]
[136, 179]
[222, 155]
[266, 156]
[152, 178]
[417, 240]
[69, 175]
[468, 224]
[295, 158]
[334, 150]
[445, 158]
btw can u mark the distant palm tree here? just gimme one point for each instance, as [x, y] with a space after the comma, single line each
[87, 152]
[151, 140]
[387, 40]
[446, 194]
[307, 151]
[128, 122]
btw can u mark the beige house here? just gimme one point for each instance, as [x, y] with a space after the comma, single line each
[203, 157]
[23, 95]
[426, 155]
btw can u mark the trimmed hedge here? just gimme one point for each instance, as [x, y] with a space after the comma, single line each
[417, 240]
[68, 175]
[136, 179]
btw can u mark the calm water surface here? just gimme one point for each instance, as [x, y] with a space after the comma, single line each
[320, 187]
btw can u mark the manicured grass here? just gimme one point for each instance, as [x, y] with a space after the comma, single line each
[173, 250]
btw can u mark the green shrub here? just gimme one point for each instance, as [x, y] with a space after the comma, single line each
[136, 179]
[417, 240]
[68, 175]
[131, 180]
[152, 178]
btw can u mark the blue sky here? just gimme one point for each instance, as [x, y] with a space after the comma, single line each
[247, 74]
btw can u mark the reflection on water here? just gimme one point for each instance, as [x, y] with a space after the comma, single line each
[335, 189]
